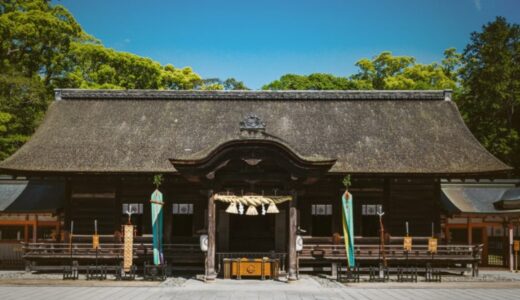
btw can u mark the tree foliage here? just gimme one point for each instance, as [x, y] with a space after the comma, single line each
[315, 81]
[490, 96]
[383, 72]
[389, 72]
[36, 38]
[95, 66]
[43, 47]
[23, 101]
[230, 84]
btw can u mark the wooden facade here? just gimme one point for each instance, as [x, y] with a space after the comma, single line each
[297, 144]
[414, 200]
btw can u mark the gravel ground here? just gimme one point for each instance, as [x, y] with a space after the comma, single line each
[28, 275]
[484, 276]
[174, 281]
[13, 276]
[324, 281]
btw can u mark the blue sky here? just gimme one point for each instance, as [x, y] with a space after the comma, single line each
[258, 41]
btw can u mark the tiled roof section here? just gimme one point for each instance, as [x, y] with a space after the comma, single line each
[478, 199]
[77, 94]
[31, 196]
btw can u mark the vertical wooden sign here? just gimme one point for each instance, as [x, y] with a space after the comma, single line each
[95, 237]
[432, 245]
[95, 241]
[407, 243]
[128, 254]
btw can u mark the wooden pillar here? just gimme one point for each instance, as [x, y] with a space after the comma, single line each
[26, 230]
[210, 259]
[436, 208]
[291, 249]
[26, 233]
[469, 231]
[447, 238]
[35, 229]
[58, 227]
[68, 204]
[118, 206]
[168, 217]
[510, 246]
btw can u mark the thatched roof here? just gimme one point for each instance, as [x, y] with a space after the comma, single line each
[400, 132]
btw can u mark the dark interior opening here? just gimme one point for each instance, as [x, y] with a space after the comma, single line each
[370, 225]
[182, 225]
[322, 225]
[251, 233]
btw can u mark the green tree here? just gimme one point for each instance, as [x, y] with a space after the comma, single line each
[315, 81]
[23, 101]
[94, 66]
[36, 37]
[490, 96]
[388, 72]
[234, 84]
[179, 79]
[383, 72]
[219, 84]
[42, 47]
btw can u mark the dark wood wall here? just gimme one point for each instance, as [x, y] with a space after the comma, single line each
[91, 200]
[415, 200]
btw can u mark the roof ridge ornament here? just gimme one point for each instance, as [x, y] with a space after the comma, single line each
[252, 123]
[448, 95]
[57, 95]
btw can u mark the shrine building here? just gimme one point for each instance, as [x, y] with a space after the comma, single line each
[293, 148]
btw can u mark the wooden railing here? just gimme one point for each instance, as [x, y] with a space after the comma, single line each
[51, 256]
[57, 254]
[394, 253]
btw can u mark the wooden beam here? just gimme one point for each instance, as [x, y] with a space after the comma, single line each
[211, 275]
[16, 222]
[67, 204]
[118, 208]
[35, 229]
[293, 225]
[167, 211]
[26, 233]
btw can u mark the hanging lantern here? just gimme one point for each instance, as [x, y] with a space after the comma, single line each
[272, 209]
[251, 211]
[240, 208]
[232, 208]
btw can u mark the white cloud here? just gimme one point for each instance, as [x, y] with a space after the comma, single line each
[478, 5]
[127, 40]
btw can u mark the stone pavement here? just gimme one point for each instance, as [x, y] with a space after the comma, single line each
[306, 288]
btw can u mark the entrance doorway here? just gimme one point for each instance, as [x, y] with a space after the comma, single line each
[252, 233]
